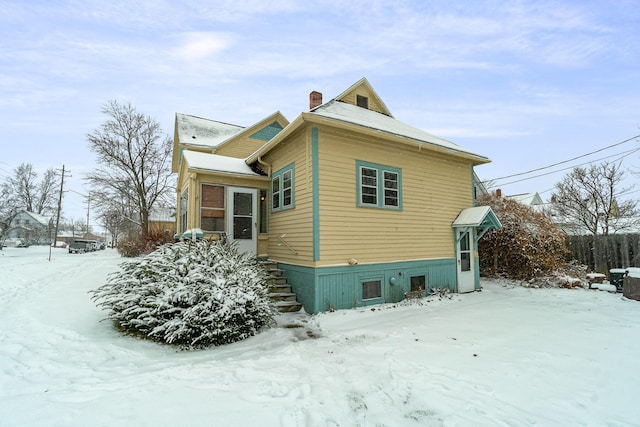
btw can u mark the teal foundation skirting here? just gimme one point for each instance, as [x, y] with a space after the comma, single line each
[325, 288]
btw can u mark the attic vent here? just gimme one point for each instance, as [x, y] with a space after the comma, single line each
[362, 101]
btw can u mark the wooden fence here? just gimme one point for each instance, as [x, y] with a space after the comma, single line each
[601, 253]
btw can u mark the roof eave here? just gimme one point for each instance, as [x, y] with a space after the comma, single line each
[343, 124]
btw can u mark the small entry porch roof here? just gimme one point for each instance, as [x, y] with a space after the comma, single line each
[481, 217]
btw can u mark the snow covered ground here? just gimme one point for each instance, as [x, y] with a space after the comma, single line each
[505, 356]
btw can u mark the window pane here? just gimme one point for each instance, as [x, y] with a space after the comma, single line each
[286, 180]
[465, 261]
[371, 289]
[464, 242]
[242, 204]
[242, 228]
[369, 177]
[275, 192]
[391, 198]
[418, 283]
[212, 213]
[369, 188]
[212, 223]
[286, 197]
[212, 196]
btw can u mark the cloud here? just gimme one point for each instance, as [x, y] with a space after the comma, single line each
[200, 45]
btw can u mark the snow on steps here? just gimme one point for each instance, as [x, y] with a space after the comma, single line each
[285, 301]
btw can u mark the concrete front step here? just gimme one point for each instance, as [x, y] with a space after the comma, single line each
[281, 280]
[283, 296]
[278, 289]
[288, 306]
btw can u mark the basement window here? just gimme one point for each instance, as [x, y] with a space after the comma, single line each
[371, 289]
[418, 283]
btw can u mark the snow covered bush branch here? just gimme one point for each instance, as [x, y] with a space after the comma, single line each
[193, 294]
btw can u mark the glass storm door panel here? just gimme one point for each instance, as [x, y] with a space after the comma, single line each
[241, 211]
[466, 273]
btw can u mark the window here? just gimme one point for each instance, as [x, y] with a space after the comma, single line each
[465, 252]
[184, 203]
[379, 186]
[362, 101]
[371, 289]
[418, 283]
[282, 196]
[264, 203]
[212, 208]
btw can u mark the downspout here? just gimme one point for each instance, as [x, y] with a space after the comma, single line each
[263, 163]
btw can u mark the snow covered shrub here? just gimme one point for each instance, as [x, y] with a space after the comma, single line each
[192, 294]
[527, 246]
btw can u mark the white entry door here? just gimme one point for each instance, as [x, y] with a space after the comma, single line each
[466, 264]
[242, 224]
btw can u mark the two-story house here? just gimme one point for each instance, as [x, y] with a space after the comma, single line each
[356, 207]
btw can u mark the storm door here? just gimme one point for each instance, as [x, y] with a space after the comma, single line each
[242, 206]
[466, 273]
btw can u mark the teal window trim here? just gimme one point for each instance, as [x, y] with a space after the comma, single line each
[282, 189]
[378, 186]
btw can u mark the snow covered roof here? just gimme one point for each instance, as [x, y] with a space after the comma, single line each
[194, 130]
[371, 119]
[529, 199]
[476, 217]
[41, 219]
[217, 163]
[162, 214]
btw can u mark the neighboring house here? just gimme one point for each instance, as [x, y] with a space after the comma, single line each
[356, 207]
[528, 199]
[162, 221]
[32, 228]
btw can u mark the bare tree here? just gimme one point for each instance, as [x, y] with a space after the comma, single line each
[32, 196]
[591, 199]
[134, 162]
[8, 210]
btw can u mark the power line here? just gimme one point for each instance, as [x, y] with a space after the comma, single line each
[562, 162]
[622, 155]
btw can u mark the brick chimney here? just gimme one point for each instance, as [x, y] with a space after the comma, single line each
[498, 193]
[315, 99]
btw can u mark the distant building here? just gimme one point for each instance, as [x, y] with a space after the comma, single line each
[162, 220]
[31, 228]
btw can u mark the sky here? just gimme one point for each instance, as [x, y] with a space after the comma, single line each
[526, 83]
[506, 356]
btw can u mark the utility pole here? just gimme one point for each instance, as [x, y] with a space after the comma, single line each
[55, 234]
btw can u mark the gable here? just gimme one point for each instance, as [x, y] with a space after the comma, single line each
[344, 113]
[267, 132]
[362, 93]
[253, 137]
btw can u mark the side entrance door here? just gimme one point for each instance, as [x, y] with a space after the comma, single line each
[242, 223]
[466, 264]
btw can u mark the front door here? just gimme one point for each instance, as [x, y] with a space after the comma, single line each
[242, 224]
[466, 265]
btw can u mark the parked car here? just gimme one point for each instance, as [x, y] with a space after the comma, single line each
[14, 242]
[80, 246]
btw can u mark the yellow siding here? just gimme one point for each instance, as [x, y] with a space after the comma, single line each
[295, 224]
[435, 188]
[240, 148]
